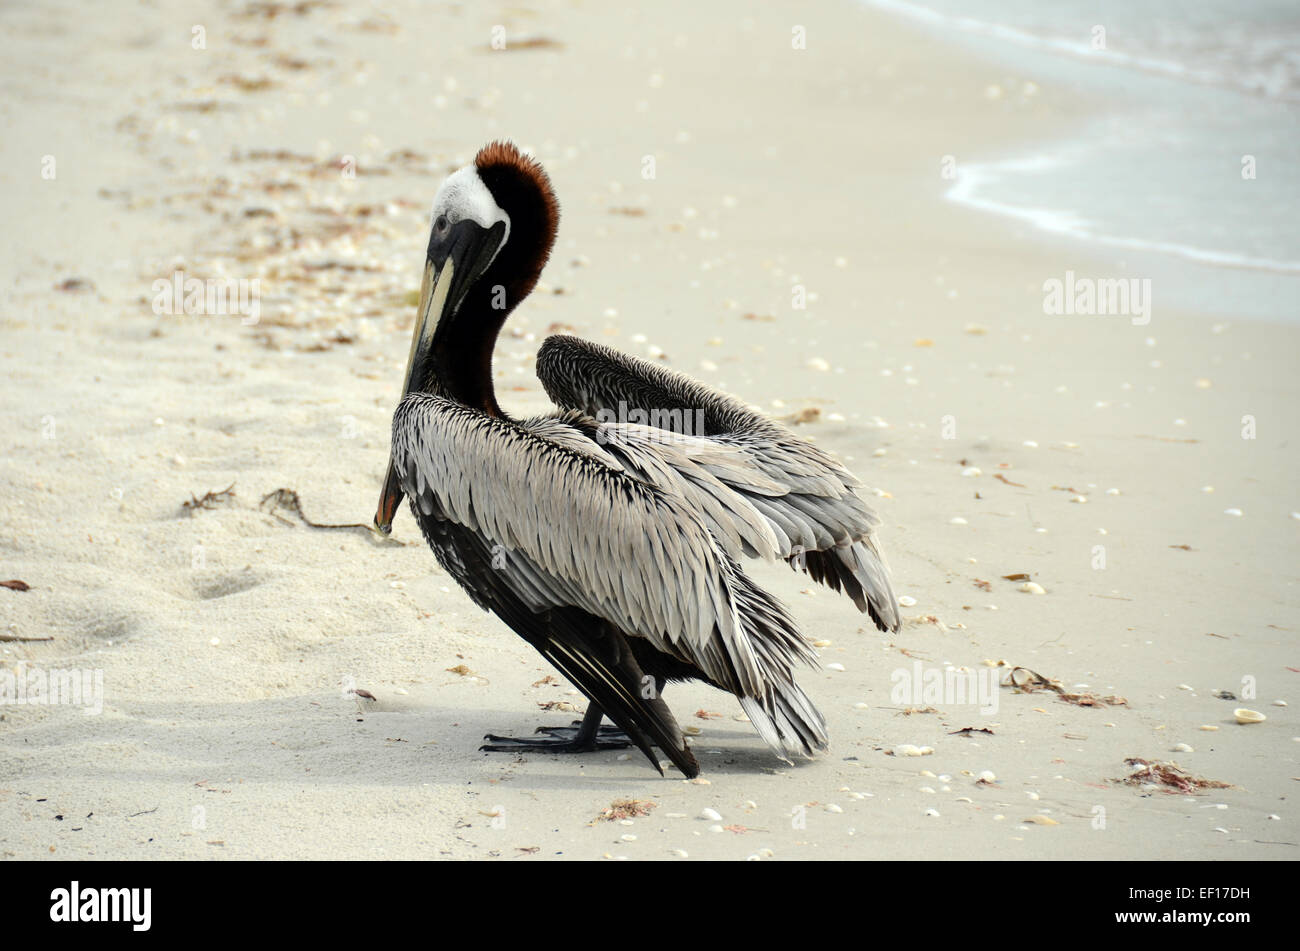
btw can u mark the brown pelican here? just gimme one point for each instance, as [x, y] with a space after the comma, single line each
[611, 546]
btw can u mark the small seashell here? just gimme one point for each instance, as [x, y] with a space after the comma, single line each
[957, 520]
[1248, 716]
[716, 828]
[1208, 728]
[1279, 703]
[628, 838]
[907, 749]
[986, 777]
[1032, 795]
[680, 853]
[1183, 748]
[712, 815]
[932, 812]
[817, 363]
[831, 807]
[1032, 587]
[1235, 513]
[835, 667]
[822, 643]
[970, 471]
[1042, 820]
[907, 601]
[928, 790]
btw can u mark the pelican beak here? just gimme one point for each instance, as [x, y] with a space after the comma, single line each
[390, 497]
[453, 264]
[433, 298]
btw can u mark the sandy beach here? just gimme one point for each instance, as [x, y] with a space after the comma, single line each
[1137, 468]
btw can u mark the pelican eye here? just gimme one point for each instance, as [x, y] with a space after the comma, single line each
[441, 224]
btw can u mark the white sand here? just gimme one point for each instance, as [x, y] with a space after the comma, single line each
[225, 729]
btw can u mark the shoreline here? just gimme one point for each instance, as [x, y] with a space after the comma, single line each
[1001, 183]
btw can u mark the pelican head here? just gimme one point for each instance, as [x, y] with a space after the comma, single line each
[491, 230]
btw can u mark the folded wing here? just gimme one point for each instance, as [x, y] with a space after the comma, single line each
[567, 525]
[808, 500]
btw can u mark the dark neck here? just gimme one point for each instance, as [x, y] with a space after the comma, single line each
[461, 362]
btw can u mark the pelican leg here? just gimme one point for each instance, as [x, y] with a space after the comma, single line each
[587, 737]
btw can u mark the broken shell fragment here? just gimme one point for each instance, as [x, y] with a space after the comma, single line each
[908, 749]
[1248, 716]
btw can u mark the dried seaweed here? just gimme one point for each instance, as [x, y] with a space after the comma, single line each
[15, 585]
[1174, 778]
[210, 500]
[288, 499]
[626, 809]
[1030, 681]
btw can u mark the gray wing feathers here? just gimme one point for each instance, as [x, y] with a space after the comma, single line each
[807, 498]
[578, 525]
